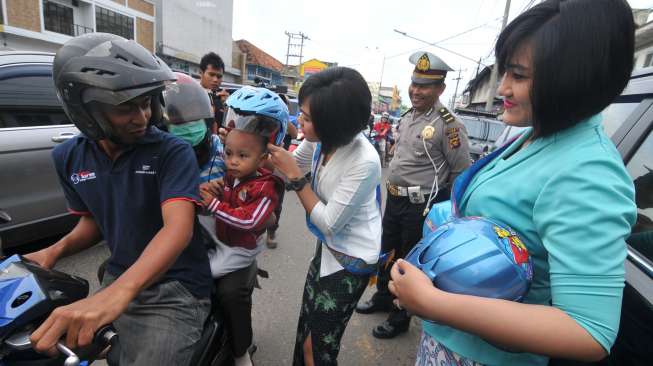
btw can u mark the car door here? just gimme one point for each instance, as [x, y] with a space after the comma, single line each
[633, 345]
[32, 123]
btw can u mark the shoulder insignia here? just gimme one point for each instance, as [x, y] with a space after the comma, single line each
[446, 115]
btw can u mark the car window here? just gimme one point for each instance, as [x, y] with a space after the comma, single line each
[615, 115]
[29, 101]
[32, 118]
[293, 108]
[640, 168]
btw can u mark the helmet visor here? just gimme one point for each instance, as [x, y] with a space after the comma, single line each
[118, 97]
[252, 124]
[186, 103]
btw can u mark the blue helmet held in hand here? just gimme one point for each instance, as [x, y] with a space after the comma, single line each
[475, 256]
[246, 107]
[439, 214]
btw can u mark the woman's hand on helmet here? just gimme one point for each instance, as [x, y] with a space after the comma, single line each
[413, 289]
[284, 162]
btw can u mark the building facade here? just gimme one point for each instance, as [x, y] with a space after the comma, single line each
[186, 30]
[259, 65]
[44, 25]
[477, 92]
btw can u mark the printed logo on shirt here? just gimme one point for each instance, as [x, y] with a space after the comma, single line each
[82, 176]
[242, 195]
[145, 169]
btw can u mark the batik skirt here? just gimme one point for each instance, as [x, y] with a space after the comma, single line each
[327, 306]
[433, 353]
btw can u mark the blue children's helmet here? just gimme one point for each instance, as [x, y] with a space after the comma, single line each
[475, 256]
[439, 214]
[248, 103]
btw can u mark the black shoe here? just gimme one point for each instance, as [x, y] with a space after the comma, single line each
[373, 305]
[387, 330]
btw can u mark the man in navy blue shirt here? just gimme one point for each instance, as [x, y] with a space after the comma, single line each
[138, 188]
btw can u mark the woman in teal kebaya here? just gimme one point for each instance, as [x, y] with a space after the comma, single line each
[561, 185]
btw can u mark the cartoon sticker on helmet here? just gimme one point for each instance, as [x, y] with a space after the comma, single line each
[518, 249]
[430, 224]
[502, 233]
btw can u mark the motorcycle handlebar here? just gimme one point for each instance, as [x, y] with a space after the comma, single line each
[105, 336]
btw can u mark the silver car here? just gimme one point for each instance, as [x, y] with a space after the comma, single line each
[32, 123]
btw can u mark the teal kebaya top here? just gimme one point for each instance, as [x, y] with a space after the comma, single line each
[572, 201]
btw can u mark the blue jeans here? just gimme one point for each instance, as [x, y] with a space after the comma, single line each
[160, 326]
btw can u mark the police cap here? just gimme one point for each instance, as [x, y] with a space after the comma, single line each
[429, 68]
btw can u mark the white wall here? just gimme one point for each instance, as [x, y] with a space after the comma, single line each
[640, 56]
[189, 29]
[11, 42]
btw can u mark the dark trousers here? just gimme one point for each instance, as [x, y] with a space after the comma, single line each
[277, 212]
[402, 229]
[234, 293]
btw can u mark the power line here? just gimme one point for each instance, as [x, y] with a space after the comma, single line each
[436, 46]
[445, 39]
[295, 40]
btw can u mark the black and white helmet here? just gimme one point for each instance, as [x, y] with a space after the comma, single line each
[106, 68]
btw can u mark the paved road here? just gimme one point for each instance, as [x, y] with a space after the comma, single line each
[276, 305]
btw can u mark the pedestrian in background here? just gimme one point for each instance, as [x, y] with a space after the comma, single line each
[211, 74]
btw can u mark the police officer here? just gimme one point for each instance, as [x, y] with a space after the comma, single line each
[432, 149]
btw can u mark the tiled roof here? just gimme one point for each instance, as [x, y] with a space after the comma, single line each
[257, 56]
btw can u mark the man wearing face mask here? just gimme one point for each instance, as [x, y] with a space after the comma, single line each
[430, 152]
[187, 108]
[136, 187]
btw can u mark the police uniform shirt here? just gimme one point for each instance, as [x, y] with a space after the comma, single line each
[446, 141]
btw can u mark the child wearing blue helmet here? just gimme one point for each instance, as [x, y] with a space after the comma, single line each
[244, 208]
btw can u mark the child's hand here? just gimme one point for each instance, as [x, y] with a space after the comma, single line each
[410, 285]
[207, 197]
[215, 187]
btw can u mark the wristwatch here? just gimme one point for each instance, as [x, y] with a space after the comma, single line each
[296, 184]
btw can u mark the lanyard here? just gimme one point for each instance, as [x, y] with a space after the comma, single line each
[465, 178]
[351, 264]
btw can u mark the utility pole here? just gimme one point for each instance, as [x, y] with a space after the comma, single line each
[381, 78]
[455, 93]
[295, 40]
[495, 69]
[478, 66]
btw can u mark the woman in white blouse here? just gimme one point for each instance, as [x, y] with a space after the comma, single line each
[342, 206]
